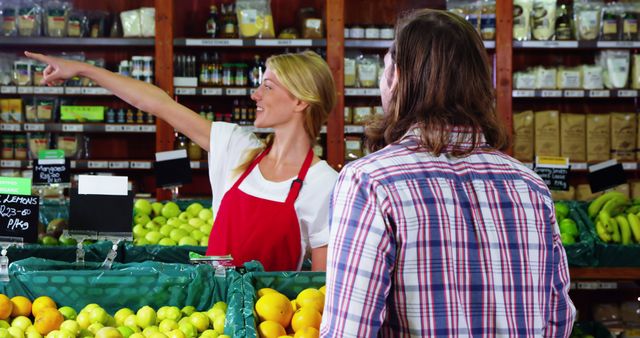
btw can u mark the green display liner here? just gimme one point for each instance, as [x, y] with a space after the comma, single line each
[610, 255]
[596, 329]
[582, 252]
[96, 252]
[160, 253]
[130, 285]
[287, 283]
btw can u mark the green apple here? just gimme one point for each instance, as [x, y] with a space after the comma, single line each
[173, 313]
[206, 229]
[95, 327]
[209, 334]
[68, 312]
[567, 239]
[194, 209]
[21, 322]
[83, 319]
[175, 334]
[167, 242]
[174, 221]
[166, 229]
[31, 332]
[108, 332]
[121, 315]
[214, 313]
[157, 335]
[196, 222]
[157, 208]
[90, 307]
[205, 214]
[177, 234]
[189, 330]
[200, 321]
[141, 241]
[186, 227]
[71, 326]
[146, 316]
[184, 216]
[65, 334]
[4, 333]
[569, 226]
[170, 209]
[188, 240]
[188, 310]
[149, 330]
[160, 220]
[153, 237]
[64, 240]
[132, 322]
[220, 305]
[197, 234]
[99, 315]
[142, 207]
[152, 225]
[204, 242]
[137, 335]
[167, 325]
[125, 331]
[141, 219]
[4, 324]
[84, 333]
[218, 324]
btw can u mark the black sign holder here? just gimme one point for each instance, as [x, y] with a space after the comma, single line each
[173, 173]
[51, 175]
[553, 175]
[606, 175]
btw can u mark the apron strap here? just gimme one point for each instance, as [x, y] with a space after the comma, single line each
[253, 165]
[296, 185]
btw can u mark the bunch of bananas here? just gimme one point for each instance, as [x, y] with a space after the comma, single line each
[617, 219]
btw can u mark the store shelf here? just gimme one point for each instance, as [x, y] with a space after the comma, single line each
[576, 44]
[90, 91]
[214, 91]
[570, 93]
[604, 273]
[48, 41]
[78, 127]
[249, 42]
[384, 44]
[583, 166]
[361, 92]
[14, 164]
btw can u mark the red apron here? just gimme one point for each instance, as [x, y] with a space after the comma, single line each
[248, 227]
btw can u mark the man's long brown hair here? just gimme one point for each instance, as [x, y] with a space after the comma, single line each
[444, 81]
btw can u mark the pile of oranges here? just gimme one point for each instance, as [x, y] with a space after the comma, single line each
[280, 317]
[16, 313]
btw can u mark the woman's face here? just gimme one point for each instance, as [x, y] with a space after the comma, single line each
[275, 105]
[387, 81]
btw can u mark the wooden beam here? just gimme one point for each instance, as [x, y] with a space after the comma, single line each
[504, 56]
[335, 58]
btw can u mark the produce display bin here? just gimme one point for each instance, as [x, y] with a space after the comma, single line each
[580, 253]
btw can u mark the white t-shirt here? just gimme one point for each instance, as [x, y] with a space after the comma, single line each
[227, 148]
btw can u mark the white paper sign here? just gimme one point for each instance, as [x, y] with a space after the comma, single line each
[102, 185]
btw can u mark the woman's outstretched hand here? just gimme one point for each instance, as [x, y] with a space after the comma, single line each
[58, 69]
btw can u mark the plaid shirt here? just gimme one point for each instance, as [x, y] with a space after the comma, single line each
[425, 246]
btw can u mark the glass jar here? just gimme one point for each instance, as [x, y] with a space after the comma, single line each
[194, 151]
[241, 79]
[227, 74]
[20, 147]
[180, 142]
[7, 146]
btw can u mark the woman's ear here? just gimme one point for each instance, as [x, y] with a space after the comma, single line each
[300, 106]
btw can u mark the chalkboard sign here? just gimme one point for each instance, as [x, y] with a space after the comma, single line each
[172, 168]
[100, 213]
[51, 171]
[553, 171]
[19, 217]
[606, 175]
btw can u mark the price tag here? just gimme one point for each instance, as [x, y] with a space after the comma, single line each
[354, 129]
[73, 90]
[172, 168]
[34, 126]
[618, 44]
[78, 128]
[98, 165]
[50, 171]
[553, 171]
[354, 92]
[15, 185]
[140, 165]
[608, 285]
[19, 217]
[599, 93]
[131, 129]
[212, 91]
[523, 93]
[10, 164]
[94, 91]
[111, 194]
[9, 127]
[578, 166]
[235, 91]
[48, 90]
[185, 91]
[588, 285]
[606, 175]
[574, 93]
[551, 93]
[113, 128]
[119, 165]
[148, 129]
[8, 90]
[372, 92]
[627, 93]
[629, 166]
[25, 90]
[195, 165]
[213, 42]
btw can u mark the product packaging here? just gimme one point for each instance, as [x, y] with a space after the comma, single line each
[310, 23]
[573, 137]
[56, 17]
[9, 12]
[569, 78]
[547, 133]
[522, 19]
[587, 18]
[77, 24]
[523, 136]
[367, 70]
[598, 137]
[623, 136]
[255, 19]
[592, 77]
[615, 68]
[544, 19]
[546, 78]
[29, 18]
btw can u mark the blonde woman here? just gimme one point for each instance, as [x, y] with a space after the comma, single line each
[271, 201]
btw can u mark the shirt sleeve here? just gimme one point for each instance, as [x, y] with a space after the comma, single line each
[318, 223]
[561, 310]
[360, 259]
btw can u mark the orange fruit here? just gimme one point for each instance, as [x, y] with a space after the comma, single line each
[47, 320]
[5, 307]
[21, 306]
[311, 297]
[276, 307]
[306, 317]
[41, 303]
[270, 329]
[307, 332]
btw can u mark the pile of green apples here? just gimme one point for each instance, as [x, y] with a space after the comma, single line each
[166, 224]
[569, 233]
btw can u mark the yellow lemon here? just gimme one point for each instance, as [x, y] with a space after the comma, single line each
[21, 306]
[270, 329]
[47, 320]
[311, 297]
[276, 307]
[307, 332]
[294, 305]
[264, 291]
[6, 307]
[41, 303]
[323, 289]
[306, 317]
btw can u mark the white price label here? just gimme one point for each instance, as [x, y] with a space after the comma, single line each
[111, 128]
[551, 93]
[78, 128]
[10, 164]
[94, 91]
[131, 129]
[119, 165]
[599, 93]
[574, 93]
[73, 164]
[8, 90]
[588, 285]
[354, 92]
[98, 164]
[372, 92]
[213, 42]
[627, 93]
[618, 44]
[579, 166]
[148, 129]
[212, 91]
[195, 165]
[608, 285]
[140, 165]
[25, 90]
[523, 93]
[185, 91]
[235, 91]
[73, 90]
[9, 127]
[48, 90]
[354, 129]
[34, 127]
[629, 166]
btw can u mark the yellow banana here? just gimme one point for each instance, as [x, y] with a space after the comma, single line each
[602, 232]
[597, 204]
[613, 225]
[604, 217]
[615, 206]
[625, 229]
[634, 224]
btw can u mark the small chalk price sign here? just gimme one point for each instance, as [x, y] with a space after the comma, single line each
[606, 175]
[19, 217]
[553, 171]
[172, 168]
[51, 168]
[100, 204]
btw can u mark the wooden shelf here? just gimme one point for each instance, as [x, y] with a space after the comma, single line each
[78, 127]
[384, 44]
[268, 43]
[575, 44]
[575, 93]
[605, 273]
[98, 42]
[79, 91]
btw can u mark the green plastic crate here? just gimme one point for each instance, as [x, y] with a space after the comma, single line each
[131, 285]
[580, 253]
[287, 283]
[595, 329]
[160, 253]
[96, 252]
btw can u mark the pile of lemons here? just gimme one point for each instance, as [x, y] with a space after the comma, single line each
[280, 317]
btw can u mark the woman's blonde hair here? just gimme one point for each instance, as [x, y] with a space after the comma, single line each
[308, 78]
